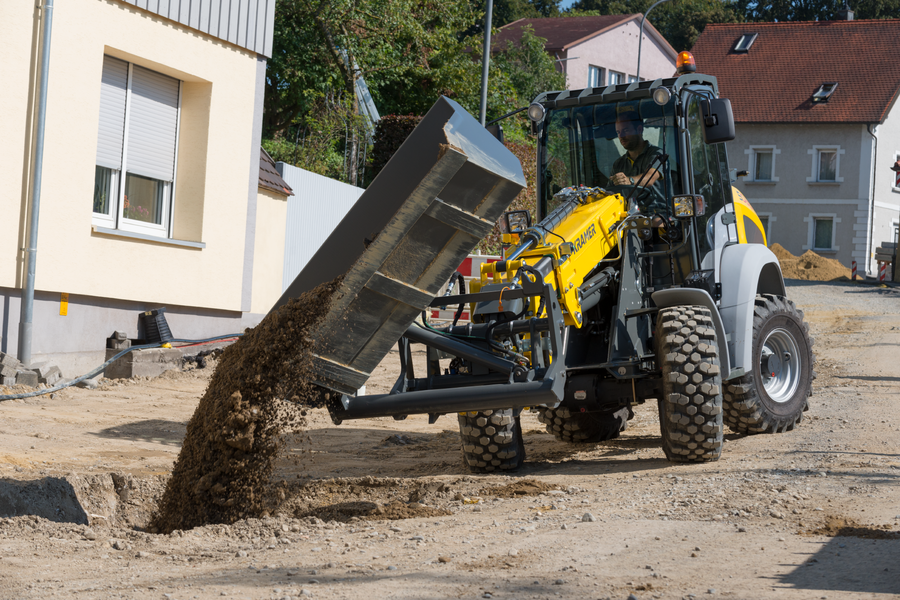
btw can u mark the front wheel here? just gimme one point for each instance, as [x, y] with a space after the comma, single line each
[491, 440]
[773, 395]
[690, 410]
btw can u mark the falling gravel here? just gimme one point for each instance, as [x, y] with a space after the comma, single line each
[258, 392]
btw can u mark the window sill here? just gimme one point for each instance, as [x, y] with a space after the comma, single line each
[824, 250]
[824, 183]
[755, 182]
[895, 190]
[146, 238]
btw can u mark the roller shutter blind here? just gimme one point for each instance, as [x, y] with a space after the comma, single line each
[112, 113]
[152, 123]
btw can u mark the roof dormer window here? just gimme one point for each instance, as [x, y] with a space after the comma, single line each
[743, 44]
[824, 92]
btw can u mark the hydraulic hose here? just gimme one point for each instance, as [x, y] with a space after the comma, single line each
[100, 369]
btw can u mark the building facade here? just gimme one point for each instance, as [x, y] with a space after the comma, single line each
[150, 193]
[598, 51]
[817, 137]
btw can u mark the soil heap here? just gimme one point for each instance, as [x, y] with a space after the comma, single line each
[809, 266]
[228, 453]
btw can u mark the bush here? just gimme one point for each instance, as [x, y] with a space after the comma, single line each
[390, 133]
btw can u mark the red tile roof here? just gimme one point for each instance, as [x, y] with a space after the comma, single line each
[269, 178]
[774, 81]
[564, 32]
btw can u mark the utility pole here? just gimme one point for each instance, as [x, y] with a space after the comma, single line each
[486, 59]
[641, 38]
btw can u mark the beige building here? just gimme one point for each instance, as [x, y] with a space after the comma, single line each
[150, 180]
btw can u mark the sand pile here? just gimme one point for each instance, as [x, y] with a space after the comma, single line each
[809, 266]
[227, 456]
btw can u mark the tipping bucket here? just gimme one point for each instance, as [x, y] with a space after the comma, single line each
[437, 197]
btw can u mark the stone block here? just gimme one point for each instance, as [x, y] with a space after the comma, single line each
[6, 371]
[29, 378]
[43, 368]
[150, 362]
[51, 375]
[118, 341]
[9, 381]
[9, 361]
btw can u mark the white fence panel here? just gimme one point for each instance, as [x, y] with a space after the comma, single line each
[315, 209]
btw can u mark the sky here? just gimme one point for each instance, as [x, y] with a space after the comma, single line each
[566, 4]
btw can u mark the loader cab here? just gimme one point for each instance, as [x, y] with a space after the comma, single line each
[579, 146]
[686, 123]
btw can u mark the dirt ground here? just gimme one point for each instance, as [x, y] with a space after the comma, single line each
[384, 508]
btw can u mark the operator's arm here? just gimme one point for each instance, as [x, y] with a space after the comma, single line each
[645, 179]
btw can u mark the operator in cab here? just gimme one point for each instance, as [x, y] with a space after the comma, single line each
[634, 167]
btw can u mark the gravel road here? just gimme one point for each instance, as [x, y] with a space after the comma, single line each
[384, 508]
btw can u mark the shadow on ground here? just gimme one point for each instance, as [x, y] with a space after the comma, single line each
[157, 431]
[851, 562]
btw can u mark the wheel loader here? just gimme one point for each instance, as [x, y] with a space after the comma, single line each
[661, 289]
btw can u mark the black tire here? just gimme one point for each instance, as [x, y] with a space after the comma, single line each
[491, 440]
[690, 410]
[772, 397]
[583, 428]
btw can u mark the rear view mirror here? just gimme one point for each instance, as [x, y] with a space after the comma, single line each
[516, 221]
[718, 120]
[496, 131]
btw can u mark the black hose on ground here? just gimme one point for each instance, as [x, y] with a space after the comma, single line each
[100, 369]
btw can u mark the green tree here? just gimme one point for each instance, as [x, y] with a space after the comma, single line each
[681, 22]
[529, 68]
[816, 10]
[322, 45]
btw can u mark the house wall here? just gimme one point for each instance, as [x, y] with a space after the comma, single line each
[887, 194]
[110, 278]
[268, 256]
[214, 160]
[617, 50]
[792, 200]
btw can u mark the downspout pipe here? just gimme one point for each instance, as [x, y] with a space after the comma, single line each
[27, 308]
[870, 234]
[486, 60]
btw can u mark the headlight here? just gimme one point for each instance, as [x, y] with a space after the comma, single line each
[661, 96]
[536, 112]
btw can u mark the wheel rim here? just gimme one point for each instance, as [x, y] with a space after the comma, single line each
[779, 365]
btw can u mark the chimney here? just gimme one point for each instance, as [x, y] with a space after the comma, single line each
[845, 14]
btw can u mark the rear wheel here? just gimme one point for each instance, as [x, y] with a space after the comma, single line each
[567, 426]
[491, 440]
[772, 397]
[690, 410]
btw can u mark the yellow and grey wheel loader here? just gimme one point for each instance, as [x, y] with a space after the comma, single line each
[625, 289]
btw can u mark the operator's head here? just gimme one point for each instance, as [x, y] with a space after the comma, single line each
[630, 130]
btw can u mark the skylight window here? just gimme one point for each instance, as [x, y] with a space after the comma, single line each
[824, 92]
[745, 41]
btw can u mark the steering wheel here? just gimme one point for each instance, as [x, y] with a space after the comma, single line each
[644, 196]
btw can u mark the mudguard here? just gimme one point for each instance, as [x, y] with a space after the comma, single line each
[697, 297]
[746, 270]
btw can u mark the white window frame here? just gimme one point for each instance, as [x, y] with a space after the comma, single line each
[895, 185]
[815, 151]
[596, 75]
[632, 78]
[810, 220]
[619, 76]
[771, 219]
[751, 152]
[745, 41]
[116, 219]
